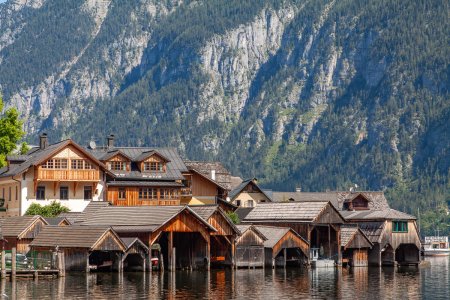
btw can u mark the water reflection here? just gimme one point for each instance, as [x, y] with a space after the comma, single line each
[358, 283]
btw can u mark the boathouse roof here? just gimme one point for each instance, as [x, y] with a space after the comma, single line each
[18, 227]
[207, 211]
[57, 221]
[275, 234]
[138, 218]
[373, 230]
[78, 237]
[303, 212]
[353, 237]
[385, 214]
[376, 199]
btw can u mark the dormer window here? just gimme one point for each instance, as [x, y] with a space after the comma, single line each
[117, 166]
[153, 166]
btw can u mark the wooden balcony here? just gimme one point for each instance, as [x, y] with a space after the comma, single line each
[146, 202]
[186, 192]
[67, 175]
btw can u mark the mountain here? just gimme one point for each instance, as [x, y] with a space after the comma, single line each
[319, 94]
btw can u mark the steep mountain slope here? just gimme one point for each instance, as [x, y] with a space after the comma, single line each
[321, 94]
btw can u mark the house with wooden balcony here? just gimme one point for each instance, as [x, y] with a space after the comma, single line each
[141, 175]
[63, 172]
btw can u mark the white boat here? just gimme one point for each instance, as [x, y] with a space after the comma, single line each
[436, 246]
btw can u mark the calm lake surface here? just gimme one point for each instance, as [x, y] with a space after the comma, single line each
[373, 283]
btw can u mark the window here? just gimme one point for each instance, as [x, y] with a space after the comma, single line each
[250, 203]
[87, 192]
[117, 166]
[238, 202]
[153, 166]
[399, 226]
[122, 194]
[55, 164]
[88, 165]
[64, 193]
[60, 163]
[76, 164]
[40, 193]
[17, 192]
[169, 194]
[147, 193]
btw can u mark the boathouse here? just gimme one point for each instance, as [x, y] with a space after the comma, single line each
[85, 248]
[283, 247]
[250, 247]
[222, 240]
[19, 232]
[183, 236]
[394, 235]
[355, 246]
[136, 256]
[318, 222]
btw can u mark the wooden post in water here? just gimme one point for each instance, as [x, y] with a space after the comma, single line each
[161, 262]
[170, 252]
[87, 262]
[60, 263]
[3, 264]
[285, 256]
[208, 253]
[174, 259]
[329, 242]
[13, 261]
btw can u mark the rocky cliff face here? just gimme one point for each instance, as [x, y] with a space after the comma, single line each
[289, 91]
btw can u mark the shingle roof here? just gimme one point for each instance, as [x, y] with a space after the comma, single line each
[372, 230]
[15, 226]
[56, 220]
[222, 176]
[174, 167]
[386, 214]
[152, 217]
[292, 211]
[273, 234]
[377, 200]
[147, 154]
[347, 233]
[244, 227]
[73, 217]
[70, 236]
[206, 211]
[130, 241]
[242, 212]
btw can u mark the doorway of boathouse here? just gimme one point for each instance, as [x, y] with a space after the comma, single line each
[189, 250]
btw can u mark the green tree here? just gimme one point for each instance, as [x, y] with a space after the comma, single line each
[11, 132]
[233, 217]
[48, 211]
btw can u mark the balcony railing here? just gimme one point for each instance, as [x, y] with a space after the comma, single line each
[67, 175]
[186, 192]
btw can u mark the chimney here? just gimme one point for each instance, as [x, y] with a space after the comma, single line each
[213, 174]
[110, 141]
[298, 189]
[43, 141]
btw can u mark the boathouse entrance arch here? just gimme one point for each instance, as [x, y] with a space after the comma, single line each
[184, 242]
[407, 254]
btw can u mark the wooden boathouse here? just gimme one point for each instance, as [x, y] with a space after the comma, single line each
[84, 248]
[318, 222]
[184, 236]
[136, 256]
[394, 236]
[355, 246]
[19, 232]
[250, 247]
[223, 240]
[283, 247]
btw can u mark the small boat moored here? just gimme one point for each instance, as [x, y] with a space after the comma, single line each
[436, 246]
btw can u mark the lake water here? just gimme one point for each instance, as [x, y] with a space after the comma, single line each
[360, 283]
